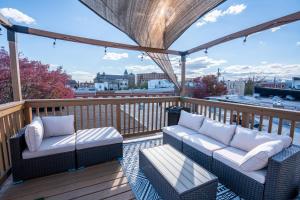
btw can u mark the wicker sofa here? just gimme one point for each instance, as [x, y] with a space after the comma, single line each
[279, 180]
[63, 152]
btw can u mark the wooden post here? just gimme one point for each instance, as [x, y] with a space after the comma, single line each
[118, 117]
[28, 115]
[182, 91]
[14, 65]
[245, 119]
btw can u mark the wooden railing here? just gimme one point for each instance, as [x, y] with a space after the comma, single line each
[11, 120]
[131, 116]
[273, 120]
[138, 116]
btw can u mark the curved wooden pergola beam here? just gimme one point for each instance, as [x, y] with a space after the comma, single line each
[246, 32]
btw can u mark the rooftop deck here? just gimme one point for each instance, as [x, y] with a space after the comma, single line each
[104, 181]
[132, 117]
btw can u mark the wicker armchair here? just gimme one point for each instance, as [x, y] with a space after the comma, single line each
[23, 169]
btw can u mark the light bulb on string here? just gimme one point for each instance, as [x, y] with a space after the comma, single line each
[206, 52]
[142, 56]
[245, 39]
[105, 51]
[54, 43]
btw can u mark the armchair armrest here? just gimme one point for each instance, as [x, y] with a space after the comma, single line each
[17, 145]
[283, 174]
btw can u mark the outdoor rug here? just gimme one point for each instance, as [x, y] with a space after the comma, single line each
[140, 185]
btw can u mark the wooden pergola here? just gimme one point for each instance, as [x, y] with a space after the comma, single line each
[157, 52]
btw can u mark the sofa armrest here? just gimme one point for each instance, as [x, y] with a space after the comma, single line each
[283, 174]
[17, 145]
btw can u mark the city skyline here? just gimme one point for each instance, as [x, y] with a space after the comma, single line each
[269, 53]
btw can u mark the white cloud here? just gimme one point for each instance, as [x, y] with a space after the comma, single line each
[16, 15]
[263, 62]
[298, 43]
[275, 29]
[214, 15]
[82, 76]
[138, 69]
[196, 66]
[283, 71]
[263, 43]
[115, 56]
[53, 67]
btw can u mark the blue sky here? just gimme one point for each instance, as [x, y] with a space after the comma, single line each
[270, 53]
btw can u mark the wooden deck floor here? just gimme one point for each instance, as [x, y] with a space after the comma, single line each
[104, 181]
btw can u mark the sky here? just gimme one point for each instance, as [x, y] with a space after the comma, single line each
[271, 53]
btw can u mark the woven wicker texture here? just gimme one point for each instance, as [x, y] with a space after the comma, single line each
[153, 23]
[177, 144]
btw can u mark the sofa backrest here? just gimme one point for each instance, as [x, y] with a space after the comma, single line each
[58, 125]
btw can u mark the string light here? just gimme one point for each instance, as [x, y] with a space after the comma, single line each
[54, 43]
[105, 51]
[0, 31]
[206, 52]
[142, 56]
[245, 39]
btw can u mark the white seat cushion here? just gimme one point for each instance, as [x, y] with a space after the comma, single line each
[178, 131]
[34, 134]
[233, 157]
[203, 143]
[52, 145]
[97, 137]
[58, 125]
[217, 130]
[189, 120]
[247, 139]
[258, 157]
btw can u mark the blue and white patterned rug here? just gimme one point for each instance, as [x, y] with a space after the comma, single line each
[140, 185]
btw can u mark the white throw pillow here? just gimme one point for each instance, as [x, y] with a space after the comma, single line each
[257, 158]
[34, 133]
[217, 130]
[287, 140]
[58, 125]
[189, 120]
[247, 139]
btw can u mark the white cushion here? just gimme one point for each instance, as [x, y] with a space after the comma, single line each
[203, 143]
[189, 120]
[34, 133]
[51, 146]
[244, 138]
[247, 139]
[258, 157]
[58, 125]
[178, 131]
[286, 140]
[217, 130]
[232, 157]
[97, 137]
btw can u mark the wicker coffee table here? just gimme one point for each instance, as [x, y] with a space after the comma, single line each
[174, 176]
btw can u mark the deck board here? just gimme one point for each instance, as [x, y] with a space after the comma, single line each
[104, 181]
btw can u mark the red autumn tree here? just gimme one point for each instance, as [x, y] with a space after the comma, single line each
[207, 86]
[37, 81]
